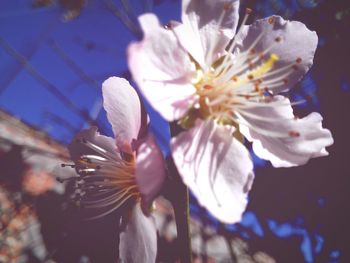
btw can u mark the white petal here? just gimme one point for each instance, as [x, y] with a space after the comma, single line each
[216, 167]
[202, 34]
[123, 107]
[162, 69]
[150, 171]
[282, 139]
[297, 43]
[139, 241]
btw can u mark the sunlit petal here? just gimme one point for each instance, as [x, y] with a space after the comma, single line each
[281, 138]
[216, 167]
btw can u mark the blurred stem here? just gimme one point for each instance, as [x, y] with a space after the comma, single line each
[180, 200]
[228, 240]
[179, 197]
[124, 17]
[182, 217]
[230, 249]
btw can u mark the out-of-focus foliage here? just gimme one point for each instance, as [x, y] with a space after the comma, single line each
[20, 239]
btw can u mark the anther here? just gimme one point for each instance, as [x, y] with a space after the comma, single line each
[294, 134]
[278, 39]
[271, 20]
[227, 6]
[308, 98]
[285, 81]
[250, 77]
[252, 51]
[170, 25]
[207, 87]
[248, 11]
[235, 78]
[298, 60]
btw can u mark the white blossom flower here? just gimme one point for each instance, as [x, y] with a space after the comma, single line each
[220, 84]
[126, 170]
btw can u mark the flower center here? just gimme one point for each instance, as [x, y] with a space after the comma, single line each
[224, 88]
[237, 81]
[220, 92]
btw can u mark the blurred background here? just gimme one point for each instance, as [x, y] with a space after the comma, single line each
[54, 55]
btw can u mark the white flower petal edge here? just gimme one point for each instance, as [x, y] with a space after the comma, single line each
[123, 108]
[138, 243]
[216, 167]
[162, 69]
[207, 28]
[293, 43]
[281, 138]
[150, 171]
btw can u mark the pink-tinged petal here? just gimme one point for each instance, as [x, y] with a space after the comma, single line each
[204, 47]
[150, 171]
[138, 243]
[207, 28]
[199, 13]
[282, 139]
[291, 41]
[79, 146]
[123, 108]
[162, 69]
[216, 167]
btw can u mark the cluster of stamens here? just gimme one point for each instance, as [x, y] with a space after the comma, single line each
[104, 180]
[237, 82]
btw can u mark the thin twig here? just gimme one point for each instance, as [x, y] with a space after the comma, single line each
[124, 18]
[29, 53]
[72, 65]
[45, 83]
